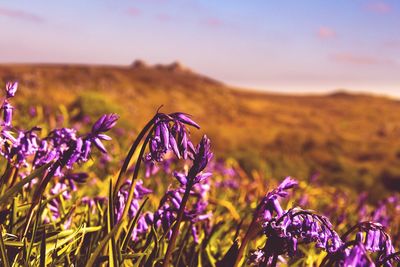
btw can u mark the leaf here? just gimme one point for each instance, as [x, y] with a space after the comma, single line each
[35, 227]
[43, 249]
[230, 256]
[112, 248]
[72, 232]
[154, 253]
[96, 253]
[4, 257]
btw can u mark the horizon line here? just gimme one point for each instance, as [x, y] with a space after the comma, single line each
[234, 85]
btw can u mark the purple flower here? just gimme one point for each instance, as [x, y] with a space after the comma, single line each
[11, 89]
[202, 155]
[171, 134]
[185, 119]
[357, 255]
[7, 113]
[17, 150]
[55, 204]
[75, 178]
[299, 226]
[270, 203]
[169, 206]
[139, 193]
[374, 238]
[104, 124]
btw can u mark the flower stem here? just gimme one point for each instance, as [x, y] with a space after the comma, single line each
[175, 230]
[246, 239]
[130, 154]
[135, 175]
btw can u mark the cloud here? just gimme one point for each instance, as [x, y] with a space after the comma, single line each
[213, 22]
[393, 44]
[21, 15]
[359, 59]
[379, 7]
[133, 11]
[163, 17]
[326, 33]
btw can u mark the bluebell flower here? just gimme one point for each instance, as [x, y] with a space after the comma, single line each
[7, 113]
[11, 89]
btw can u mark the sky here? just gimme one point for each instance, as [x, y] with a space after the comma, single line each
[277, 45]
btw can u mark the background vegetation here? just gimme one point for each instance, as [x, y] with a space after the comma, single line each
[349, 140]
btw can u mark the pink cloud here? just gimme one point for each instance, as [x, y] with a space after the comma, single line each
[133, 11]
[163, 17]
[326, 33]
[19, 14]
[213, 22]
[358, 59]
[379, 7]
[393, 44]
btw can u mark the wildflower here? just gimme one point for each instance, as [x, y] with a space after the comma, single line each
[202, 155]
[11, 89]
[7, 113]
[170, 134]
[16, 150]
[375, 239]
[270, 203]
[56, 204]
[139, 192]
[170, 204]
[104, 124]
[75, 178]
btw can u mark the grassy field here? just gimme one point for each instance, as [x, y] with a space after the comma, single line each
[350, 140]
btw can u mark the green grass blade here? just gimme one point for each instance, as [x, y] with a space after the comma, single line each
[4, 257]
[35, 227]
[96, 253]
[43, 249]
[112, 248]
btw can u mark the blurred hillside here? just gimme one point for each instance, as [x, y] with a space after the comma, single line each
[348, 139]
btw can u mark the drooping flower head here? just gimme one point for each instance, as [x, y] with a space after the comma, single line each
[171, 134]
[374, 238]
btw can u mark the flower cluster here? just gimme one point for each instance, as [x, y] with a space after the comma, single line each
[288, 229]
[170, 134]
[298, 226]
[55, 146]
[169, 206]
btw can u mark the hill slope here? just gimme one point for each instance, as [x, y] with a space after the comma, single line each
[348, 139]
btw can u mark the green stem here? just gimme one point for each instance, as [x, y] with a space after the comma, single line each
[175, 230]
[130, 154]
[248, 236]
[135, 175]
